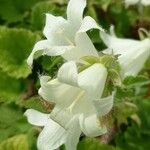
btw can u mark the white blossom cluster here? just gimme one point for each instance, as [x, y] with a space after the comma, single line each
[78, 95]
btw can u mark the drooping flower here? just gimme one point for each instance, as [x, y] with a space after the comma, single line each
[67, 37]
[133, 2]
[78, 106]
[78, 93]
[55, 134]
[133, 53]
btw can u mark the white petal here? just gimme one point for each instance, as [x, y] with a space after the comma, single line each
[104, 105]
[75, 11]
[90, 126]
[61, 115]
[136, 57]
[62, 128]
[136, 52]
[59, 31]
[51, 89]
[68, 73]
[36, 118]
[54, 27]
[89, 23]
[52, 136]
[84, 43]
[58, 50]
[83, 105]
[118, 45]
[59, 93]
[146, 2]
[73, 134]
[84, 47]
[93, 80]
[112, 31]
[41, 45]
[46, 48]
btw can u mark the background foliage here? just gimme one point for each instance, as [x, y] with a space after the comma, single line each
[21, 24]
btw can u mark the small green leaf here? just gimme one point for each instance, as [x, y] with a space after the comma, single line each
[90, 59]
[15, 47]
[110, 62]
[124, 110]
[140, 80]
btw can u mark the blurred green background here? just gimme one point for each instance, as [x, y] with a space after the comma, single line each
[21, 25]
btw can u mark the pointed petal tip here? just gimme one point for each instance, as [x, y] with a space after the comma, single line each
[89, 23]
[90, 126]
[27, 112]
[30, 60]
[75, 10]
[104, 105]
[35, 117]
[44, 78]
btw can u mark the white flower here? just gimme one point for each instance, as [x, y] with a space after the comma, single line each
[80, 95]
[67, 37]
[55, 134]
[133, 2]
[133, 53]
[78, 106]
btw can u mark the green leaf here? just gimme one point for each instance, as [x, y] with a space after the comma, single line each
[15, 10]
[93, 144]
[137, 136]
[12, 121]
[144, 113]
[140, 80]
[7, 92]
[51, 64]
[18, 142]
[133, 139]
[124, 110]
[15, 47]
[41, 8]
[12, 114]
[110, 62]
[124, 93]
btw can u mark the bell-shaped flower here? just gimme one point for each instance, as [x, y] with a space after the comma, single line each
[132, 54]
[67, 37]
[78, 106]
[79, 93]
[133, 2]
[55, 133]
